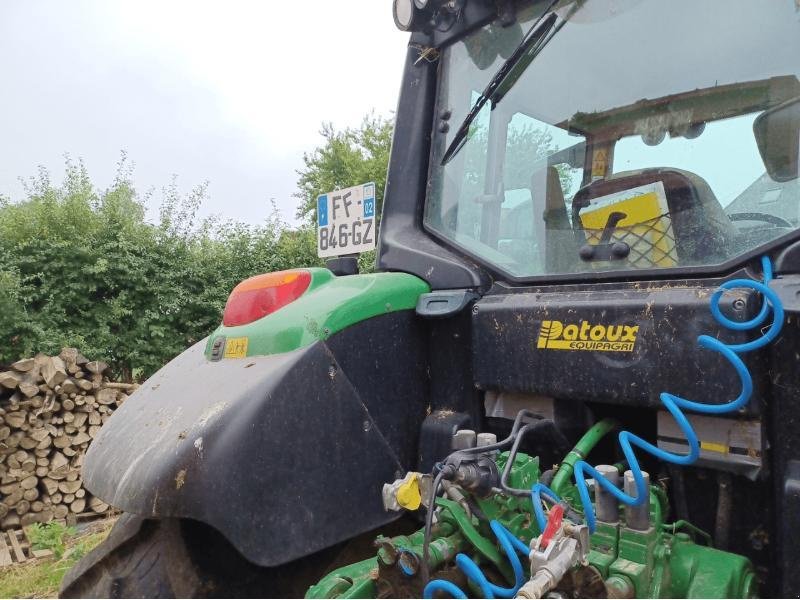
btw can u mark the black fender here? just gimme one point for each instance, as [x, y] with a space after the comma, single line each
[283, 454]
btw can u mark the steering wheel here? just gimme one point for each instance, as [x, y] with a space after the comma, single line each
[764, 217]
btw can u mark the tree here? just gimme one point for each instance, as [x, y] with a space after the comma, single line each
[348, 157]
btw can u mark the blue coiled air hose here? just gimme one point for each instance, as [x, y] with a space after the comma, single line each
[676, 405]
[511, 545]
[627, 440]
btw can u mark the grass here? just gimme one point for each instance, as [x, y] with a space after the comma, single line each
[41, 578]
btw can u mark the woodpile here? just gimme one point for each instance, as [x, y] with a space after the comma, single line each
[51, 407]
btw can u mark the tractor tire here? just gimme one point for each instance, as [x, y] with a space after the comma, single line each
[175, 558]
[139, 559]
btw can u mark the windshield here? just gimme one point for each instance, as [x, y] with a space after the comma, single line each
[626, 144]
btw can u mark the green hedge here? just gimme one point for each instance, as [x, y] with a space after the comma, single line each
[83, 268]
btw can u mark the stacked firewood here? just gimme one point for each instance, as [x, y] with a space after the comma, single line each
[51, 407]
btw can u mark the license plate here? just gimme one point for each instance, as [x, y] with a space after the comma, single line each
[346, 221]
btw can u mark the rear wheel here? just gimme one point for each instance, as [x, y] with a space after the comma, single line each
[140, 558]
[172, 558]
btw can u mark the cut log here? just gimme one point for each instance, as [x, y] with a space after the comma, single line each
[15, 419]
[41, 471]
[29, 519]
[50, 486]
[106, 396]
[97, 505]
[3, 509]
[53, 371]
[10, 521]
[29, 482]
[22, 507]
[37, 506]
[114, 385]
[57, 497]
[80, 493]
[95, 418]
[84, 384]
[78, 505]
[46, 515]
[14, 498]
[68, 498]
[78, 421]
[24, 365]
[39, 434]
[4, 432]
[69, 487]
[80, 438]
[61, 442]
[28, 443]
[60, 511]
[10, 488]
[67, 405]
[12, 441]
[10, 380]
[96, 367]
[29, 389]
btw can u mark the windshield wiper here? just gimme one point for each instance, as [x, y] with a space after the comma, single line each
[502, 81]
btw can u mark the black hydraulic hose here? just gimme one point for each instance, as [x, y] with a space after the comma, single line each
[536, 427]
[426, 540]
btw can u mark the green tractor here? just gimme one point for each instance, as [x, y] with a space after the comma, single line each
[575, 373]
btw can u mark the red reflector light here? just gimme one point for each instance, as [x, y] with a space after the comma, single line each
[264, 294]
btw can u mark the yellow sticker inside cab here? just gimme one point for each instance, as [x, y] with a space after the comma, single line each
[645, 224]
[236, 347]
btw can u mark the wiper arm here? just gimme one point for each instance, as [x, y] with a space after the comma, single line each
[529, 48]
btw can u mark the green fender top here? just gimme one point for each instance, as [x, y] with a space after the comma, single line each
[328, 306]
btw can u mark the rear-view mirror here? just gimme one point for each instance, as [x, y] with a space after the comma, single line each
[777, 132]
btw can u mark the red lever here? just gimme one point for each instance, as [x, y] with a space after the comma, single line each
[553, 525]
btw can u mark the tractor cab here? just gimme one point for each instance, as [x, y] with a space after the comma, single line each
[621, 138]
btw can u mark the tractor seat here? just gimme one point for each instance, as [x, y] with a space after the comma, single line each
[701, 230]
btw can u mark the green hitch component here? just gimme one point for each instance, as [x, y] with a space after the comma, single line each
[360, 580]
[580, 452]
[446, 543]
[704, 572]
[330, 305]
[658, 564]
[352, 581]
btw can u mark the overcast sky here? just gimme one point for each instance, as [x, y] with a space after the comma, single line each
[230, 92]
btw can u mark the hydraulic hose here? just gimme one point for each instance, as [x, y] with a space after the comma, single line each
[511, 545]
[580, 451]
[677, 405]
